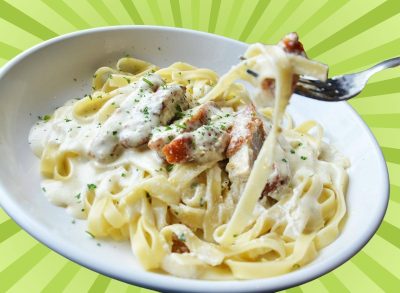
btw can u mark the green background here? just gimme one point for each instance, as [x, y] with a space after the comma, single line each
[347, 35]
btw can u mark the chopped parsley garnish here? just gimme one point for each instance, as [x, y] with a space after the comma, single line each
[78, 196]
[284, 160]
[168, 128]
[91, 186]
[73, 221]
[292, 151]
[170, 137]
[148, 81]
[145, 111]
[114, 132]
[123, 175]
[44, 189]
[46, 118]
[303, 158]
[90, 234]
[235, 235]
[182, 237]
[82, 210]
[169, 167]
[300, 144]
[67, 120]
[127, 80]
[98, 244]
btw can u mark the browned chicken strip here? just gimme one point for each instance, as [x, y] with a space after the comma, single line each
[191, 120]
[205, 144]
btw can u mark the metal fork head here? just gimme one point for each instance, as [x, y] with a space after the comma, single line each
[338, 88]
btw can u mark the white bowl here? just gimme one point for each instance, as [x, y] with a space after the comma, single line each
[40, 79]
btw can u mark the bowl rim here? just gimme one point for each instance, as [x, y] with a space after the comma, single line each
[146, 279]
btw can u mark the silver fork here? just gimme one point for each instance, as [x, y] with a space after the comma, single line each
[341, 87]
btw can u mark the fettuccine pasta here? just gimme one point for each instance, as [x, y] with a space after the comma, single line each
[204, 179]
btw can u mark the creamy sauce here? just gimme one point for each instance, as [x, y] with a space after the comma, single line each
[150, 104]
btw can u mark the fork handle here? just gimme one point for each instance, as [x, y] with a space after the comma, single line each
[393, 62]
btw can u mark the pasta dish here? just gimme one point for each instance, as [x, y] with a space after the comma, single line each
[206, 178]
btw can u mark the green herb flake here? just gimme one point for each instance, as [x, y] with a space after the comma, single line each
[114, 132]
[148, 81]
[67, 120]
[78, 196]
[292, 152]
[235, 235]
[73, 221]
[46, 118]
[145, 110]
[98, 244]
[168, 128]
[90, 234]
[123, 175]
[127, 80]
[303, 158]
[44, 189]
[284, 160]
[169, 167]
[91, 186]
[182, 237]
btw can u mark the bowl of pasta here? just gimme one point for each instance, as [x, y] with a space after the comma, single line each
[151, 155]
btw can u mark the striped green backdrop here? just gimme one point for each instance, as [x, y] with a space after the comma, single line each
[347, 35]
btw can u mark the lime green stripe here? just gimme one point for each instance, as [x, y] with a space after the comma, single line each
[103, 11]
[369, 57]
[21, 266]
[133, 13]
[395, 193]
[3, 216]
[313, 21]
[25, 22]
[216, 4]
[333, 284]
[294, 290]
[384, 87]
[176, 12]
[387, 137]
[81, 282]
[232, 18]
[116, 286]
[38, 276]
[7, 51]
[384, 253]
[62, 278]
[314, 287]
[376, 272]
[254, 18]
[383, 120]
[390, 233]
[100, 284]
[8, 229]
[132, 289]
[195, 13]
[365, 22]
[391, 154]
[281, 17]
[66, 12]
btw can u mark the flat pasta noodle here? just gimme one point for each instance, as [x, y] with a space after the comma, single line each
[193, 218]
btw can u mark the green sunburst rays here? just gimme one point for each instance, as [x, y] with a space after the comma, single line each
[347, 35]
